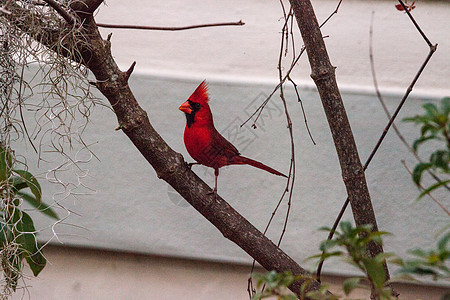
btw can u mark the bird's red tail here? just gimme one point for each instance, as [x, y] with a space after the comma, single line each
[241, 160]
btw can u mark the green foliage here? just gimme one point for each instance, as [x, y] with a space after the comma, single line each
[17, 231]
[428, 263]
[350, 243]
[435, 126]
[276, 284]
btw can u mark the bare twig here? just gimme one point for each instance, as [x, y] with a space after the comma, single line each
[259, 110]
[130, 70]
[417, 25]
[332, 14]
[383, 104]
[21, 110]
[291, 176]
[142, 27]
[303, 110]
[423, 188]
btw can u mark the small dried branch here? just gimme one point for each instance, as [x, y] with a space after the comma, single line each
[141, 27]
[383, 104]
[286, 34]
[130, 70]
[332, 14]
[303, 109]
[21, 81]
[259, 110]
[291, 176]
[415, 24]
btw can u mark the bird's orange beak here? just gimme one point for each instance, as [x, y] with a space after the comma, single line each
[185, 107]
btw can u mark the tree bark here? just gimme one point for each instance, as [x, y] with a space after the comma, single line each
[323, 74]
[168, 164]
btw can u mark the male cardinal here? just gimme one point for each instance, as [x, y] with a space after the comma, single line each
[204, 143]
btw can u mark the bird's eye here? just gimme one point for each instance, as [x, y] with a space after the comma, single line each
[195, 106]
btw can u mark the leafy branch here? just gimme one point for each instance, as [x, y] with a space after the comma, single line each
[435, 126]
[17, 231]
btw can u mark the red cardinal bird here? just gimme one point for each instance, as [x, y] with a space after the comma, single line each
[204, 143]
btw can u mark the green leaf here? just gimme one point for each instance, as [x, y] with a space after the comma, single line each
[417, 119]
[420, 270]
[429, 128]
[376, 237]
[440, 159]
[375, 271]
[442, 244]
[5, 234]
[327, 245]
[18, 183]
[325, 229]
[419, 253]
[350, 284]
[432, 188]
[397, 261]
[13, 270]
[325, 255]
[41, 206]
[431, 110]
[382, 257]
[445, 106]
[36, 262]
[25, 233]
[346, 227]
[32, 183]
[5, 163]
[418, 170]
[420, 140]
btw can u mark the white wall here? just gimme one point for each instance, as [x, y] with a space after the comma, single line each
[101, 275]
[250, 52]
[131, 210]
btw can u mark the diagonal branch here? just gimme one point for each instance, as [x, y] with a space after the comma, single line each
[95, 53]
[323, 74]
[433, 49]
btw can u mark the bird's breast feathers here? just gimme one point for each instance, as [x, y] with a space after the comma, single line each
[202, 145]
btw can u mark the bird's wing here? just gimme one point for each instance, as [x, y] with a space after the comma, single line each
[222, 145]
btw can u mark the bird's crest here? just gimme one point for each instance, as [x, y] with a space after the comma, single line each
[200, 95]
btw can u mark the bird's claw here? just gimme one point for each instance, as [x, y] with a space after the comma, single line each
[189, 165]
[213, 192]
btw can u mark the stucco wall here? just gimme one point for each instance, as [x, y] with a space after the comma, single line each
[129, 209]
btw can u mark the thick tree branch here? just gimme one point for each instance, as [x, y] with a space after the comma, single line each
[95, 53]
[85, 7]
[323, 74]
